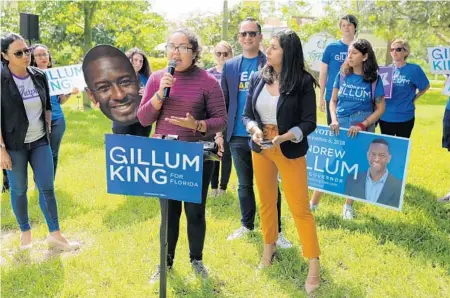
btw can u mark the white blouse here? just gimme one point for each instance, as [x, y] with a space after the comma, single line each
[266, 106]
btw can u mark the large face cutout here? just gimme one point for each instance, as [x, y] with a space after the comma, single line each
[112, 84]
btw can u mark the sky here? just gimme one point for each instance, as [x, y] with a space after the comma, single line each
[180, 9]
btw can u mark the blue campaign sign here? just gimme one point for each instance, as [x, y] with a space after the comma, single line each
[153, 167]
[370, 167]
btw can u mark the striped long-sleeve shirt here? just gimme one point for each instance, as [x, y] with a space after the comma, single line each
[195, 91]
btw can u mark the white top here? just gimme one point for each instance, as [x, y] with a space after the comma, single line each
[33, 108]
[266, 106]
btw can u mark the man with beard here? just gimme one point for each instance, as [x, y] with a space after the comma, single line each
[376, 185]
[112, 83]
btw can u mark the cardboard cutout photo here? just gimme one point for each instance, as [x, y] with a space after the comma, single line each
[112, 83]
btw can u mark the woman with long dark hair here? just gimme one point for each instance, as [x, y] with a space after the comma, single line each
[142, 68]
[195, 110]
[357, 101]
[279, 114]
[25, 139]
[41, 58]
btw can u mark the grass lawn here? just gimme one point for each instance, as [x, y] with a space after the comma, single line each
[382, 253]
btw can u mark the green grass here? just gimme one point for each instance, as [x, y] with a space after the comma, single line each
[382, 253]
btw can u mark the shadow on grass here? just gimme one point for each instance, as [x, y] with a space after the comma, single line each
[44, 279]
[132, 211]
[419, 240]
[67, 208]
[210, 287]
[223, 206]
[289, 270]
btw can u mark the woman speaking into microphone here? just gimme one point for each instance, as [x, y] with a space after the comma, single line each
[194, 110]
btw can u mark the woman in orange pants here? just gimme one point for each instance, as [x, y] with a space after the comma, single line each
[279, 114]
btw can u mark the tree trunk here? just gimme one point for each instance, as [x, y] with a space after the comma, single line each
[89, 8]
[225, 21]
[388, 53]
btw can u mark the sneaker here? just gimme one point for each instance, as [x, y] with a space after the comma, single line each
[445, 199]
[214, 192]
[199, 268]
[283, 242]
[239, 233]
[313, 207]
[347, 212]
[155, 277]
[220, 192]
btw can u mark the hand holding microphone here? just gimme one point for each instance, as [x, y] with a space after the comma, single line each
[167, 80]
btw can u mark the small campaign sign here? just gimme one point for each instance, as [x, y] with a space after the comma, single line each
[166, 169]
[370, 168]
[439, 59]
[446, 90]
[62, 80]
[386, 73]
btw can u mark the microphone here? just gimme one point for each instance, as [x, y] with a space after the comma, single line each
[171, 70]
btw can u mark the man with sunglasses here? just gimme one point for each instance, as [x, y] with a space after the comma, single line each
[235, 79]
[112, 83]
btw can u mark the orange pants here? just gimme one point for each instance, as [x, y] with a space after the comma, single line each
[293, 174]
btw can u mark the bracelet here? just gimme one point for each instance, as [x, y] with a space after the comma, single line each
[361, 125]
[159, 97]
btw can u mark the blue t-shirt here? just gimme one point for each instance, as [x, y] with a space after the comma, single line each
[355, 94]
[143, 79]
[448, 104]
[247, 68]
[57, 112]
[334, 56]
[406, 79]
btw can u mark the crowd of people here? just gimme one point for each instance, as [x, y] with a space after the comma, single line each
[258, 107]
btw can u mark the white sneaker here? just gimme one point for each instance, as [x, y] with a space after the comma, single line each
[283, 242]
[239, 233]
[313, 207]
[347, 212]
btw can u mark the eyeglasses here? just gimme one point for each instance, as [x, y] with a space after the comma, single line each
[250, 33]
[398, 50]
[182, 49]
[20, 53]
[123, 83]
[41, 55]
[224, 54]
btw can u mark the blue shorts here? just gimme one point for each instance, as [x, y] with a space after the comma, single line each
[353, 119]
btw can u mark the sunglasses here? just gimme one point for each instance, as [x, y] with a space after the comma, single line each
[398, 50]
[250, 33]
[224, 54]
[20, 53]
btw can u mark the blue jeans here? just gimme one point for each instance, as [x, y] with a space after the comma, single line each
[353, 119]
[58, 129]
[39, 155]
[242, 159]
